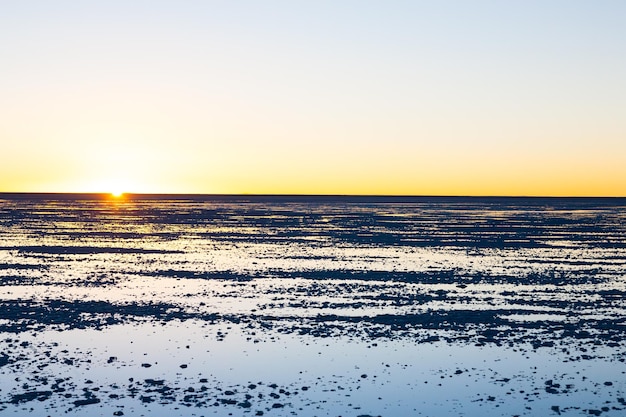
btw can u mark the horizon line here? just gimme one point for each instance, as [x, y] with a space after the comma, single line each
[139, 194]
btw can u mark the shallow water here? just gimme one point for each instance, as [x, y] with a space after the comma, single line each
[378, 306]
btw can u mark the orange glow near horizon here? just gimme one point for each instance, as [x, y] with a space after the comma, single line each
[387, 179]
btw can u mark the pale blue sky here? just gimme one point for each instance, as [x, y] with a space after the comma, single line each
[233, 96]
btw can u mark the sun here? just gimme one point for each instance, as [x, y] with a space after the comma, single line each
[117, 194]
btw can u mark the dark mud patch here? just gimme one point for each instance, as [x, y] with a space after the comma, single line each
[442, 276]
[209, 275]
[28, 315]
[22, 267]
[446, 277]
[477, 326]
[84, 250]
[30, 396]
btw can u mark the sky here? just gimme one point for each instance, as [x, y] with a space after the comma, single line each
[314, 97]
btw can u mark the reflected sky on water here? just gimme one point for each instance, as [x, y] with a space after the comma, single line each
[448, 306]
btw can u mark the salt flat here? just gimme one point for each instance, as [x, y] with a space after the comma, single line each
[258, 305]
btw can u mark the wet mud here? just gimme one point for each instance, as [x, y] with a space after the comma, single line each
[537, 279]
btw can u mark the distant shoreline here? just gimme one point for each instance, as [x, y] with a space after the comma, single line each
[303, 197]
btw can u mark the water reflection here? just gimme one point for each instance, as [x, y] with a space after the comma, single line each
[535, 281]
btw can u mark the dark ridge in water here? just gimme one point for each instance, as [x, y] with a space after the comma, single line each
[82, 250]
[21, 266]
[450, 276]
[477, 326]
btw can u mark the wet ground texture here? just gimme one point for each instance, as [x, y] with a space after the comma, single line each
[494, 288]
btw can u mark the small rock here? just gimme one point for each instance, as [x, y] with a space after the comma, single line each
[245, 404]
[87, 401]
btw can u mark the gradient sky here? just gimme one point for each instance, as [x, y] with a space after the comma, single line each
[338, 97]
